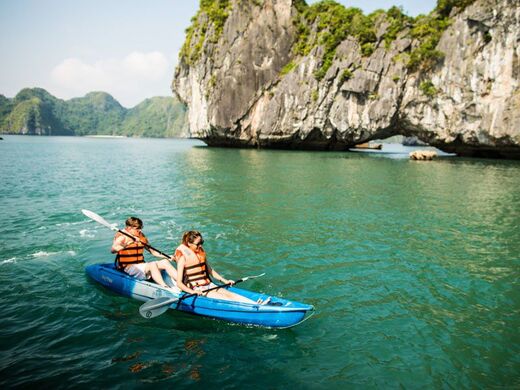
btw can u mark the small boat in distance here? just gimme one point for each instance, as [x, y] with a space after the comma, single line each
[368, 145]
[105, 136]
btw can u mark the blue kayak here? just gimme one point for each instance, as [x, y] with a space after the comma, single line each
[279, 313]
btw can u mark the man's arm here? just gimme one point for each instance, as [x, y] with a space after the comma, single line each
[118, 244]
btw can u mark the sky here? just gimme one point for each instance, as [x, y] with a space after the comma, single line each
[128, 48]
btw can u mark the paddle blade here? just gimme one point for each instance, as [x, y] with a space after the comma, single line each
[250, 277]
[92, 215]
[156, 307]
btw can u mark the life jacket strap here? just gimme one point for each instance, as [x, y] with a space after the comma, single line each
[200, 265]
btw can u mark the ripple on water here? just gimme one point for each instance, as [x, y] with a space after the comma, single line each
[8, 261]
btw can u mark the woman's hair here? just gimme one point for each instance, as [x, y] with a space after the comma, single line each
[190, 236]
[134, 222]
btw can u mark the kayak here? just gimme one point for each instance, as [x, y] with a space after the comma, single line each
[278, 313]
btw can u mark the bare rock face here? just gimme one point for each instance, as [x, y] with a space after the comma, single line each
[248, 88]
[477, 108]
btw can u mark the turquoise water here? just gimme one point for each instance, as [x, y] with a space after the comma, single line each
[413, 266]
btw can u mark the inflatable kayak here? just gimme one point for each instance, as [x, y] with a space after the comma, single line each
[278, 313]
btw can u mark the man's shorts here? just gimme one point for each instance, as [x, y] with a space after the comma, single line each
[137, 271]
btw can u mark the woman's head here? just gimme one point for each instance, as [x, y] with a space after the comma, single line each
[192, 237]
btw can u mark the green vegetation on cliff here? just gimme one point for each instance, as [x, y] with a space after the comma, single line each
[397, 21]
[328, 23]
[428, 29]
[444, 7]
[211, 14]
[427, 88]
[35, 111]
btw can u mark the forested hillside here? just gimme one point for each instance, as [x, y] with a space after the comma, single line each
[34, 111]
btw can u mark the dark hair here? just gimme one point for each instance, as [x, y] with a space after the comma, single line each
[134, 222]
[190, 236]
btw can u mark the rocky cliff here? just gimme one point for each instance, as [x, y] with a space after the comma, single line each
[282, 74]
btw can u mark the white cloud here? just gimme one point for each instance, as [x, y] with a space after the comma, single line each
[130, 79]
[151, 66]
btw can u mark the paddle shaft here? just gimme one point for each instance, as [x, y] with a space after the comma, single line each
[146, 245]
[95, 217]
[215, 288]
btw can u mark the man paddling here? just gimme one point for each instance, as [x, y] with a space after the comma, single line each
[130, 255]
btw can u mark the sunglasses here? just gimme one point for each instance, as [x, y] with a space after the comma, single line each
[199, 244]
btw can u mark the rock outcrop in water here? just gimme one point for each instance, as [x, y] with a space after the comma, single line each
[279, 74]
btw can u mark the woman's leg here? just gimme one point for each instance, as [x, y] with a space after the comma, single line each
[222, 293]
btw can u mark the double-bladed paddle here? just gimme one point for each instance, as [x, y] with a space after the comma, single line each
[92, 215]
[156, 307]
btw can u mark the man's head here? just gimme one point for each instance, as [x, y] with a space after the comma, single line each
[134, 222]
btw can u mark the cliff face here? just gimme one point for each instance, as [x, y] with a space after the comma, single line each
[246, 84]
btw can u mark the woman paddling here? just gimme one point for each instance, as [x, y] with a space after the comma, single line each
[194, 272]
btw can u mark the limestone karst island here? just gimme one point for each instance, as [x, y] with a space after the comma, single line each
[284, 74]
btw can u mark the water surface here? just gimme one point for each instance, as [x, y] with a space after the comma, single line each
[413, 266]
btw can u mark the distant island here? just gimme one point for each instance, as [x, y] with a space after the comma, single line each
[34, 111]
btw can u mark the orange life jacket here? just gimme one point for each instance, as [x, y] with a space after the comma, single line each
[196, 267]
[132, 254]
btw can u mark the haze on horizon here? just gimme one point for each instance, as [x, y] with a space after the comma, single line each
[126, 48]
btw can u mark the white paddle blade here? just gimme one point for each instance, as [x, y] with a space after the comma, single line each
[252, 277]
[92, 215]
[156, 307]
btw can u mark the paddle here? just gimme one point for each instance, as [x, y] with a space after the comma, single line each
[92, 215]
[156, 307]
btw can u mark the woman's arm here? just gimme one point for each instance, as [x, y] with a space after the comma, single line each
[181, 262]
